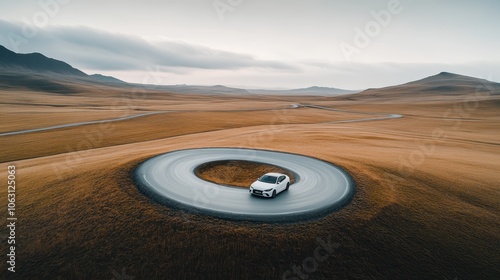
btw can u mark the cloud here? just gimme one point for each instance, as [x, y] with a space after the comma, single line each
[95, 49]
[132, 58]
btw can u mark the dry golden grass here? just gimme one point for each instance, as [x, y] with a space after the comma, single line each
[159, 126]
[426, 206]
[237, 173]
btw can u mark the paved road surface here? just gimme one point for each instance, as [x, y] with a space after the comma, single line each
[320, 187]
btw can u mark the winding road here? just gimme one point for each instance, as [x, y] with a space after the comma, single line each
[292, 106]
[77, 124]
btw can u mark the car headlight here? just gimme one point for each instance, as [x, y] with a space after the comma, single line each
[268, 190]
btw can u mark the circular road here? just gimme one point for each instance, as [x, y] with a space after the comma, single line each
[320, 187]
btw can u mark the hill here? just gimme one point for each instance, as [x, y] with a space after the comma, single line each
[35, 62]
[192, 89]
[442, 85]
[315, 90]
[35, 71]
[106, 79]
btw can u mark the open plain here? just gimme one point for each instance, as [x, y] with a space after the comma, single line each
[427, 184]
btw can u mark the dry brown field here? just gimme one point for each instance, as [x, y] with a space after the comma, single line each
[426, 204]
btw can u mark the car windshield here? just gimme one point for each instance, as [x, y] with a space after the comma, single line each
[268, 179]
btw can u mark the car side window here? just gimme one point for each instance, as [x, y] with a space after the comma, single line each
[281, 179]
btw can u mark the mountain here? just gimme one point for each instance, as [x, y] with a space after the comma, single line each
[220, 89]
[35, 71]
[446, 82]
[217, 89]
[38, 72]
[317, 91]
[106, 79]
[35, 62]
[442, 85]
[35, 82]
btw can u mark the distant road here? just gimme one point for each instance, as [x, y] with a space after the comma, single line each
[293, 106]
[383, 116]
[77, 124]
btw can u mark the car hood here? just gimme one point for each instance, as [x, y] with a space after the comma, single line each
[258, 185]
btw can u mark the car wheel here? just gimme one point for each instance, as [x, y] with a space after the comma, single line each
[274, 194]
[287, 186]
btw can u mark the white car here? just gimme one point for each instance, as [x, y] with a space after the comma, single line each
[270, 184]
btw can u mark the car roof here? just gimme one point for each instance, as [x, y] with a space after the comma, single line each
[274, 174]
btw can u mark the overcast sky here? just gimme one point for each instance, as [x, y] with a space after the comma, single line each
[261, 43]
